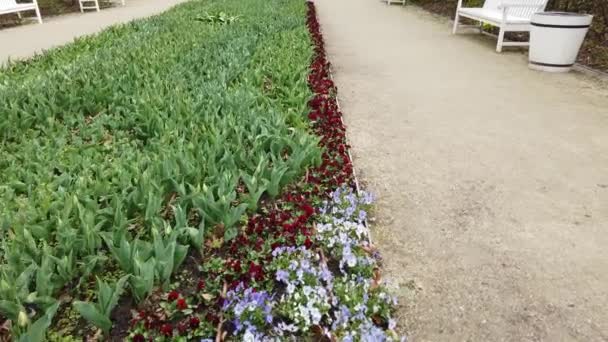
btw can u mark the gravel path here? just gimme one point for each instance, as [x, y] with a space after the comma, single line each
[492, 179]
[26, 40]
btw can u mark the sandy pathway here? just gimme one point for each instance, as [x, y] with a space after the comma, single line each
[493, 179]
[26, 40]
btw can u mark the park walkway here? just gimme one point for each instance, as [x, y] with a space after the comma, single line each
[26, 40]
[492, 179]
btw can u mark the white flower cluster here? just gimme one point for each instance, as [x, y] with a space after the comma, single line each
[345, 242]
[308, 287]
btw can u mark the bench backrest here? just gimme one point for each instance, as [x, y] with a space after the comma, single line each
[522, 12]
[7, 4]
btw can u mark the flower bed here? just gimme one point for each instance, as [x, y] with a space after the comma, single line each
[187, 178]
[302, 267]
[122, 151]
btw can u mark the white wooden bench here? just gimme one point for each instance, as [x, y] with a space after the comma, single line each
[88, 4]
[91, 4]
[10, 6]
[508, 16]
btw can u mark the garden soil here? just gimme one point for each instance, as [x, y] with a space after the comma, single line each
[492, 179]
[26, 40]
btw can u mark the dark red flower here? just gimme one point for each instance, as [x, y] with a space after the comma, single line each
[308, 243]
[234, 284]
[243, 240]
[236, 266]
[211, 318]
[272, 216]
[285, 215]
[201, 285]
[173, 295]
[308, 209]
[259, 243]
[287, 227]
[194, 322]
[255, 271]
[166, 329]
[314, 115]
[139, 338]
[234, 248]
[301, 220]
[259, 229]
[181, 304]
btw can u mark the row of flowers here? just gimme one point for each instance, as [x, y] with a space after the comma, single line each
[302, 267]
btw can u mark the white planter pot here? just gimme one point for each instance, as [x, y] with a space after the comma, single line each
[556, 38]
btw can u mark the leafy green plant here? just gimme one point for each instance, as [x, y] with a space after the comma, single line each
[107, 297]
[126, 250]
[169, 254]
[218, 18]
[276, 178]
[255, 189]
[142, 279]
[195, 236]
[36, 331]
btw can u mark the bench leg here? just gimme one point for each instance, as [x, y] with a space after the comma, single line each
[455, 29]
[501, 39]
[38, 16]
[97, 5]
